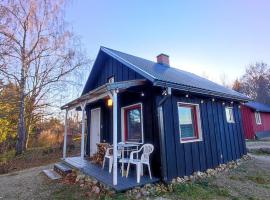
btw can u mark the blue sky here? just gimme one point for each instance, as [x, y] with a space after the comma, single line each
[204, 37]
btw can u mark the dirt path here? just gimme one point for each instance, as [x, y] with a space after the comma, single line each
[26, 184]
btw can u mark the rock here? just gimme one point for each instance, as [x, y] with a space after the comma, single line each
[88, 179]
[138, 195]
[96, 189]
[144, 192]
[180, 180]
[94, 182]
[186, 178]
[80, 177]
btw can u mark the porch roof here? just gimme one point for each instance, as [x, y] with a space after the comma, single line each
[102, 91]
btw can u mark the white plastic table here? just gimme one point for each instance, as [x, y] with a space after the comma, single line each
[126, 147]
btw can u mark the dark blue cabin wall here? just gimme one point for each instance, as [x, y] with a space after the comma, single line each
[222, 141]
[150, 127]
[109, 68]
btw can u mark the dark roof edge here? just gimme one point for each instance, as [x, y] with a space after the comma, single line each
[260, 107]
[199, 91]
[132, 66]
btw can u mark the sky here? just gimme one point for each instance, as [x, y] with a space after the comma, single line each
[209, 38]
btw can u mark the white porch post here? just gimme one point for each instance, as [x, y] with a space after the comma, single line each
[114, 137]
[83, 130]
[65, 136]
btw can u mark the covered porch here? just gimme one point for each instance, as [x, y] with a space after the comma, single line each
[106, 178]
[108, 91]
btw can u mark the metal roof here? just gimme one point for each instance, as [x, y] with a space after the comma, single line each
[258, 106]
[163, 75]
[102, 91]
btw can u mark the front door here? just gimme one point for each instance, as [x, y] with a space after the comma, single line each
[94, 130]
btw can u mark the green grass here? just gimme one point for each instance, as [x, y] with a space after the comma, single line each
[198, 190]
[259, 179]
[7, 156]
[69, 192]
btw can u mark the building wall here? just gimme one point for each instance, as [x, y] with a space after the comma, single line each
[222, 141]
[109, 68]
[249, 122]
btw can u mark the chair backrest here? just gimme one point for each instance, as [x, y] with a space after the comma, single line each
[147, 149]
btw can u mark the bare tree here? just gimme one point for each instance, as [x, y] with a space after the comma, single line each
[255, 83]
[37, 51]
[224, 80]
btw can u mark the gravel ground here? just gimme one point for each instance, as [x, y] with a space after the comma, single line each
[27, 184]
[257, 144]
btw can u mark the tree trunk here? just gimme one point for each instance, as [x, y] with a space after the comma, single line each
[21, 133]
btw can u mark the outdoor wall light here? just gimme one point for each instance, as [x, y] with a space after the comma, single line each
[109, 102]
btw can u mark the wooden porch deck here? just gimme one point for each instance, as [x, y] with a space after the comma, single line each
[105, 177]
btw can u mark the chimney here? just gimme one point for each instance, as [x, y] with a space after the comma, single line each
[163, 59]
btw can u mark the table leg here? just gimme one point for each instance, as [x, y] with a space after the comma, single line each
[123, 156]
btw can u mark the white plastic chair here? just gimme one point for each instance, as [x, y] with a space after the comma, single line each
[146, 149]
[109, 156]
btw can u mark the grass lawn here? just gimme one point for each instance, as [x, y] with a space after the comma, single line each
[31, 158]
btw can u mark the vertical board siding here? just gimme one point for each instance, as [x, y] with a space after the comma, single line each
[222, 141]
[249, 122]
[110, 68]
[180, 155]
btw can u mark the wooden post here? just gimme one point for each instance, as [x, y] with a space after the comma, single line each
[83, 130]
[115, 137]
[65, 136]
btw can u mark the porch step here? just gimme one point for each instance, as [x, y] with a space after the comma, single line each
[53, 175]
[62, 169]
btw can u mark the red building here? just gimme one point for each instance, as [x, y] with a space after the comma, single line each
[256, 120]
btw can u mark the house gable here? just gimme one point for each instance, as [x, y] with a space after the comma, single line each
[106, 67]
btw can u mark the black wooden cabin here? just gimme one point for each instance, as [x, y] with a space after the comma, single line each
[193, 123]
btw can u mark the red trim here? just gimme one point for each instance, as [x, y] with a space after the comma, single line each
[137, 106]
[195, 122]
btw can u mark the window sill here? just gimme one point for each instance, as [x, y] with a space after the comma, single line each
[188, 141]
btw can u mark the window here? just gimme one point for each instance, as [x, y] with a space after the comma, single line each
[189, 122]
[132, 123]
[258, 118]
[111, 79]
[229, 114]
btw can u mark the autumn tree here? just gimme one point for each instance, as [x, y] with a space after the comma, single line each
[9, 95]
[255, 83]
[37, 52]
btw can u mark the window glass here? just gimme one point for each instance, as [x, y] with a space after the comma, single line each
[258, 118]
[186, 120]
[189, 124]
[133, 124]
[229, 114]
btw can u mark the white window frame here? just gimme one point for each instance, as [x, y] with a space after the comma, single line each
[123, 123]
[258, 118]
[199, 123]
[230, 111]
[111, 79]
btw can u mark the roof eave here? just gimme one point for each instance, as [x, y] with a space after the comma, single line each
[199, 91]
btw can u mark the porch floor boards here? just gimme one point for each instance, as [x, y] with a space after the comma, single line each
[105, 177]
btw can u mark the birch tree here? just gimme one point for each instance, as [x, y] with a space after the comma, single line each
[37, 52]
